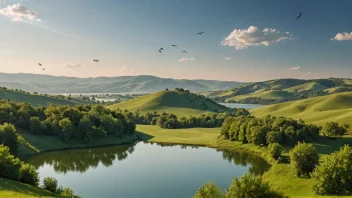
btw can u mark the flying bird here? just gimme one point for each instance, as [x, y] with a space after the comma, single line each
[160, 51]
[184, 51]
[299, 16]
[199, 33]
[43, 68]
[39, 64]
[173, 45]
[96, 60]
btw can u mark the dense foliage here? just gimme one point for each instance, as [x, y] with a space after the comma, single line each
[304, 158]
[333, 129]
[271, 129]
[50, 184]
[80, 122]
[333, 176]
[8, 137]
[13, 168]
[247, 186]
[171, 121]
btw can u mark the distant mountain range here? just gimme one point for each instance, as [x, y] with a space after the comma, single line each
[122, 84]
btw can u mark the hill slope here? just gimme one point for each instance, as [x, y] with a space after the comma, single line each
[317, 110]
[121, 84]
[177, 102]
[281, 90]
[35, 100]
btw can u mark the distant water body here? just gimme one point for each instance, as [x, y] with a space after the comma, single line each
[239, 105]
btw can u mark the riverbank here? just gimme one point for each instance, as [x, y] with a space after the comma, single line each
[34, 144]
[279, 175]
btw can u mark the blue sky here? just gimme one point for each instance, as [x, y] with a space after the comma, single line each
[125, 35]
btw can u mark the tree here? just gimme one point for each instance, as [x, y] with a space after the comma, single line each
[333, 129]
[273, 137]
[66, 129]
[50, 184]
[9, 165]
[84, 129]
[333, 176]
[29, 174]
[35, 125]
[209, 190]
[275, 150]
[304, 158]
[251, 186]
[8, 137]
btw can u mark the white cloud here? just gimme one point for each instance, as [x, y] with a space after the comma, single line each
[72, 65]
[343, 36]
[125, 69]
[253, 36]
[186, 59]
[294, 68]
[227, 58]
[307, 73]
[19, 12]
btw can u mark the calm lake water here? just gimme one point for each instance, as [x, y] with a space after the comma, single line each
[239, 105]
[145, 170]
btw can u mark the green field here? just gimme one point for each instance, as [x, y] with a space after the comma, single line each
[13, 189]
[176, 102]
[36, 100]
[197, 136]
[306, 87]
[271, 94]
[317, 110]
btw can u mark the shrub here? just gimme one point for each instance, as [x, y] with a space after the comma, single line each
[251, 186]
[29, 175]
[209, 190]
[50, 184]
[304, 158]
[333, 129]
[275, 150]
[334, 175]
[8, 137]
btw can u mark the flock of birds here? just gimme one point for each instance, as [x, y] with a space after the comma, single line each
[161, 49]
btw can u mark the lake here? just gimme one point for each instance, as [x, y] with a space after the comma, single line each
[239, 105]
[145, 169]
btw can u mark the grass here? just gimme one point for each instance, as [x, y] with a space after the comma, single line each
[13, 189]
[32, 144]
[36, 100]
[270, 94]
[317, 110]
[176, 102]
[306, 87]
[196, 136]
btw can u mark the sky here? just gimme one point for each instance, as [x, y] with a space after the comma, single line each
[243, 40]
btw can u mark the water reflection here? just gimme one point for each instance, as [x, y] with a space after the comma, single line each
[80, 160]
[258, 164]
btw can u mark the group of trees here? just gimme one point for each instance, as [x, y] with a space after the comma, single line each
[171, 121]
[51, 184]
[247, 186]
[268, 130]
[332, 129]
[80, 122]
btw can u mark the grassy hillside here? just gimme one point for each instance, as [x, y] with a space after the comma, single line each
[281, 90]
[177, 102]
[13, 189]
[317, 110]
[35, 100]
[121, 84]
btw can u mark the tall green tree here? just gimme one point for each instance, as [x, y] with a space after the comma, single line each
[8, 137]
[304, 158]
[209, 190]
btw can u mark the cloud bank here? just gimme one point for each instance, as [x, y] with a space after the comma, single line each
[253, 36]
[343, 36]
[72, 65]
[227, 58]
[294, 68]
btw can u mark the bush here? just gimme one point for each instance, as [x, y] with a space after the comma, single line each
[275, 150]
[29, 175]
[333, 129]
[8, 137]
[334, 175]
[251, 186]
[304, 158]
[50, 184]
[209, 190]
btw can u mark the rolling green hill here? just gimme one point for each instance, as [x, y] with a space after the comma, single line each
[178, 102]
[317, 110]
[281, 90]
[120, 84]
[36, 100]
